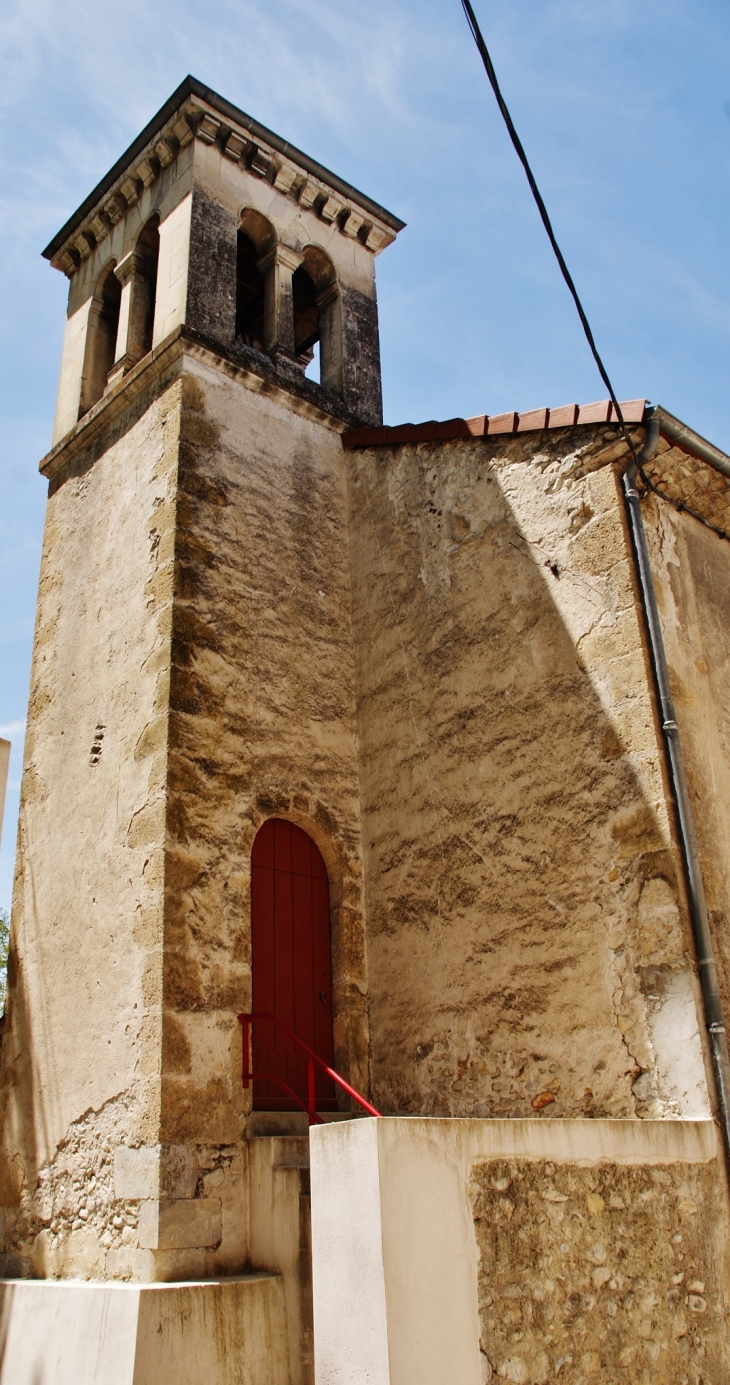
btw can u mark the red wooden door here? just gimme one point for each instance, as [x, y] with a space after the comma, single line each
[291, 963]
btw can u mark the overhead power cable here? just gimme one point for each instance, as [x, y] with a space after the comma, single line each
[698, 905]
[519, 149]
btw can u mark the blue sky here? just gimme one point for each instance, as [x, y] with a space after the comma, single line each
[623, 106]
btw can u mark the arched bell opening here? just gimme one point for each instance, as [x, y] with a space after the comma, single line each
[148, 255]
[306, 315]
[318, 316]
[291, 965]
[101, 338]
[250, 284]
[255, 236]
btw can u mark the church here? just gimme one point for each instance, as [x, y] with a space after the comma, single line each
[371, 921]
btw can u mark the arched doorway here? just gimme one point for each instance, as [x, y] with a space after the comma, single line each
[291, 963]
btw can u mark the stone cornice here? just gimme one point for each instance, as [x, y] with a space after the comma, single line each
[194, 110]
[158, 369]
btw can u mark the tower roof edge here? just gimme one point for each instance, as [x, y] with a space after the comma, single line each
[190, 86]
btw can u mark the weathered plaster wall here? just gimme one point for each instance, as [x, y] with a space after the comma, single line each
[80, 1052]
[522, 886]
[691, 568]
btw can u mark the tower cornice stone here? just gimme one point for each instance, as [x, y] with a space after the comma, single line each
[194, 109]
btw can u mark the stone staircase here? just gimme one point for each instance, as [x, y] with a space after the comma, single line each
[280, 1235]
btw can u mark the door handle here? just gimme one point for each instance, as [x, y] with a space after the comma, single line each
[322, 995]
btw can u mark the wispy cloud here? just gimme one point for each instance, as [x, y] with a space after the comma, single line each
[12, 728]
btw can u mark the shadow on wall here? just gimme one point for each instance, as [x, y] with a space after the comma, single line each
[246, 749]
[18, 1119]
[692, 576]
[528, 935]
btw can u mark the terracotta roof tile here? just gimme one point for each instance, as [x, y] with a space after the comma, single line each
[501, 423]
[594, 413]
[632, 409]
[536, 418]
[564, 417]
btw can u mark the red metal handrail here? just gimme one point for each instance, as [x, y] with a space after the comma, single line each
[246, 1021]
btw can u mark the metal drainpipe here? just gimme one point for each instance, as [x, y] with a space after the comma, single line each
[698, 907]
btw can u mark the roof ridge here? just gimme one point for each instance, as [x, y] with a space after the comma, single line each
[488, 425]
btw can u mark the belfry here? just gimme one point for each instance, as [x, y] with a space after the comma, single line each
[346, 808]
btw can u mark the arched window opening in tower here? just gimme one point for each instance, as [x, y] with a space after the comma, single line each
[317, 310]
[306, 317]
[101, 339]
[250, 289]
[148, 249]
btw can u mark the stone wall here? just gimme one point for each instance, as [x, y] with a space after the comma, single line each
[691, 568]
[192, 676]
[262, 723]
[524, 891]
[80, 1052]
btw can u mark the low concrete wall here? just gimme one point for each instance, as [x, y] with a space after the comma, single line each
[462, 1250]
[218, 1332]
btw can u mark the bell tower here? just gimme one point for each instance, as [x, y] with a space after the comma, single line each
[192, 678]
[212, 224]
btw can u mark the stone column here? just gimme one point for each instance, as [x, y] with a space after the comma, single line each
[361, 389]
[278, 265]
[134, 276]
[331, 370]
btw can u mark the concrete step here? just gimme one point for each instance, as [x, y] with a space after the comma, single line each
[290, 1152]
[280, 1235]
[287, 1122]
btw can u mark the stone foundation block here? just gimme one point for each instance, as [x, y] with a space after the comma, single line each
[182, 1224]
[218, 1332]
